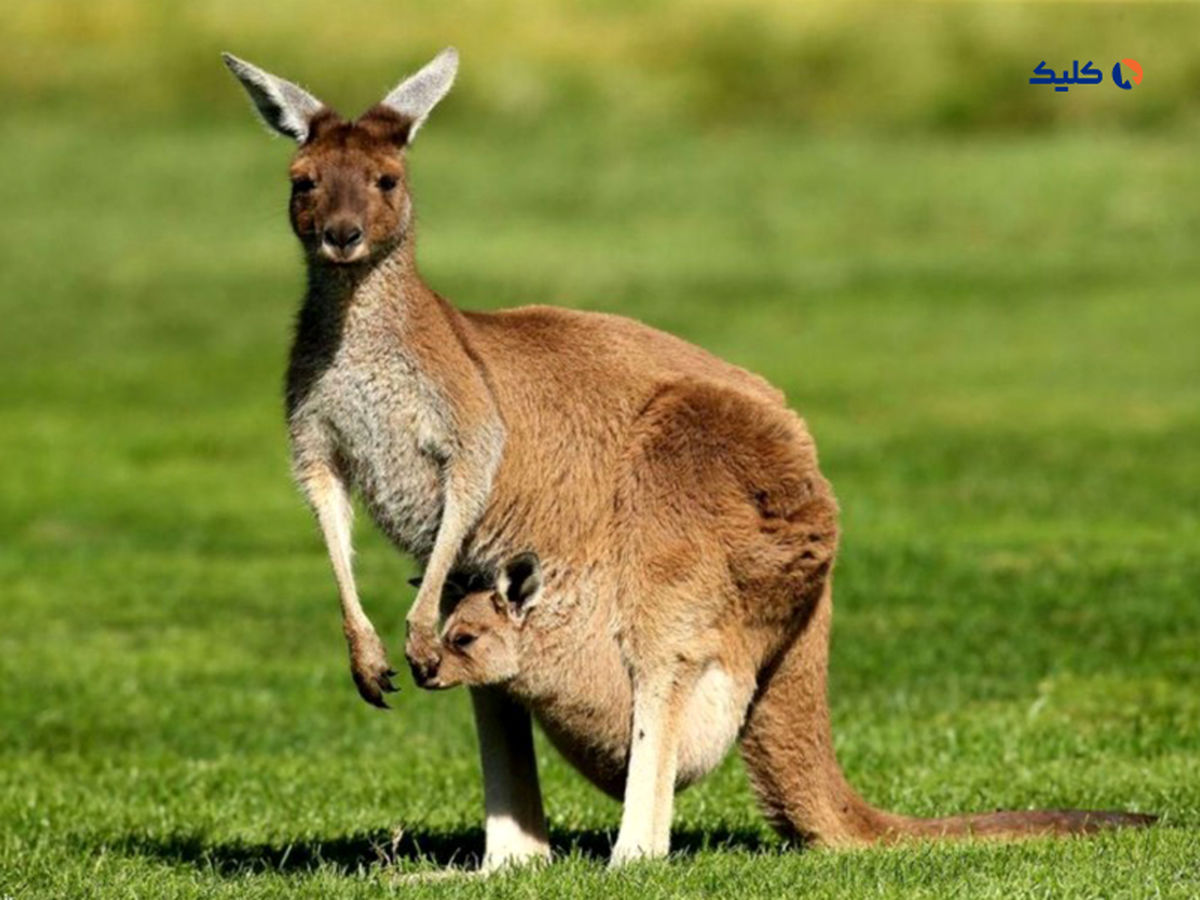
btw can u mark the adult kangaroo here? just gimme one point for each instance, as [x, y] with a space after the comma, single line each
[673, 499]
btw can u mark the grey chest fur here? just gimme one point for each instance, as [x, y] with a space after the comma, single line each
[388, 426]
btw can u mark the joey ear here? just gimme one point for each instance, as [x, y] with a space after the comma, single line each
[520, 582]
[416, 96]
[285, 107]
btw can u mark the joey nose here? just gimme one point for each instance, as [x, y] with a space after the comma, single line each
[424, 660]
[343, 235]
[424, 672]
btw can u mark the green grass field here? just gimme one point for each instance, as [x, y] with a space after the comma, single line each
[994, 340]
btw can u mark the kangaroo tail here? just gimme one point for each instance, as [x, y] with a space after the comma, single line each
[787, 745]
[1017, 824]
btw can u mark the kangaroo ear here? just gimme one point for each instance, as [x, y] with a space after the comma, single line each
[520, 582]
[285, 107]
[416, 96]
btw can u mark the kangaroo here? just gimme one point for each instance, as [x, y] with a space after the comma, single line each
[675, 501]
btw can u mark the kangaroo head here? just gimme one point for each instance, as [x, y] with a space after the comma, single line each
[481, 637]
[350, 201]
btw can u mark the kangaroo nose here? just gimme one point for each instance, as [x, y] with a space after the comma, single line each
[343, 235]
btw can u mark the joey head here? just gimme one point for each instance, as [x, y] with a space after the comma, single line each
[481, 638]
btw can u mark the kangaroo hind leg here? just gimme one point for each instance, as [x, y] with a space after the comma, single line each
[660, 694]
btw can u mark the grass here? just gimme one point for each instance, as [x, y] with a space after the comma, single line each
[994, 341]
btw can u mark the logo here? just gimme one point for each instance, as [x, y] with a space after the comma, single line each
[1088, 74]
[1135, 72]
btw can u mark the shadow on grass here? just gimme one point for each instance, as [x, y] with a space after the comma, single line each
[462, 848]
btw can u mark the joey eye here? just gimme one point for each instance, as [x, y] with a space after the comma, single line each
[387, 182]
[462, 641]
[303, 185]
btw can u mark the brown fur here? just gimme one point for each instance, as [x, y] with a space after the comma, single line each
[686, 533]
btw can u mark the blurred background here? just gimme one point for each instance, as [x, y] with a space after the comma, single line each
[712, 64]
[980, 293]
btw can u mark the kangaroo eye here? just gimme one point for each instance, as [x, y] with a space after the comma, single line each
[303, 185]
[387, 182]
[462, 641]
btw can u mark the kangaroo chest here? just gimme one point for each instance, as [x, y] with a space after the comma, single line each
[385, 422]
